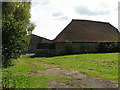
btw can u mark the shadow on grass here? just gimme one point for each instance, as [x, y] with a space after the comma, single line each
[46, 56]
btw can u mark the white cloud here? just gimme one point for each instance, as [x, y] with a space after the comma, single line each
[51, 16]
[86, 11]
[57, 14]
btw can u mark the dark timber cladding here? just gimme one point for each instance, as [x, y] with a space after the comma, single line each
[35, 41]
[85, 36]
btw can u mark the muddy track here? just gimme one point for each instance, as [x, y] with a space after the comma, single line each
[77, 79]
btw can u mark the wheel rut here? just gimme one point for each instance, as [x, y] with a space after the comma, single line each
[77, 80]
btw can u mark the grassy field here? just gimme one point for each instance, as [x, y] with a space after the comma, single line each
[103, 65]
[17, 76]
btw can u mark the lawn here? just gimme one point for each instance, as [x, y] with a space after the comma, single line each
[103, 65]
[17, 76]
[100, 65]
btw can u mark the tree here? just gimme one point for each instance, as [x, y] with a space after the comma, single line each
[16, 30]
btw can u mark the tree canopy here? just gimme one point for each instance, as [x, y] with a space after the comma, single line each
[16, 29]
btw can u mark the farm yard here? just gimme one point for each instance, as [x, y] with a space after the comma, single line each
[70, 71]
[79, 53]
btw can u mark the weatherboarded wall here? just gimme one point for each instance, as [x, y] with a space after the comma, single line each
[45, 52]
[75, 48]
[45, 49]
[86, 47]
[35, 40]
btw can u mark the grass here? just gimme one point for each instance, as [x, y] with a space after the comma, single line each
[25, 65]
[17, 76]
[22, 81]
[103, 65]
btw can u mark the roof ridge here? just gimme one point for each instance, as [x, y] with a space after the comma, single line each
[41, 37]
[89, 20]
[87, 30]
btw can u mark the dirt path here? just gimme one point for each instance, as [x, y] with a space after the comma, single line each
[78, 80]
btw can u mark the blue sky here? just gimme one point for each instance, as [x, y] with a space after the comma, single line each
[51, 16]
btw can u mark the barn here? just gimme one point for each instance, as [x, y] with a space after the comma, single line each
[36, 43]
[79, 36]
[86, 36]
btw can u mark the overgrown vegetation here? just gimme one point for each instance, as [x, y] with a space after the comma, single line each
[103, 65]
[16, 30]
[109, 47]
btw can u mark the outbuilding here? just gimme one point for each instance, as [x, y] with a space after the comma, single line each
[38, 43]
[86, 36]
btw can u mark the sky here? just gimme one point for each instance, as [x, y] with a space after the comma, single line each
[52, 16]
